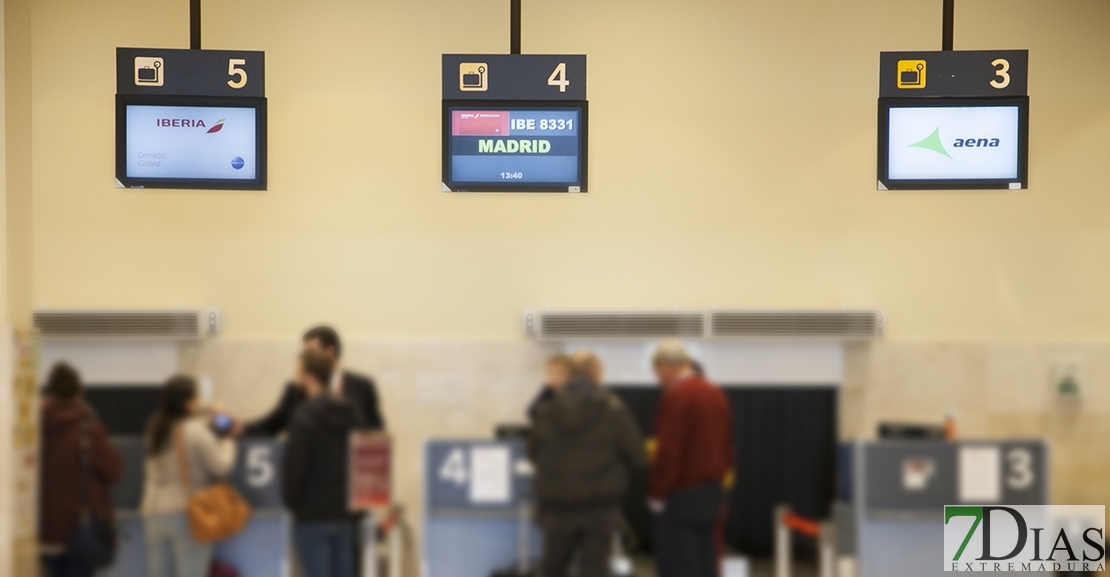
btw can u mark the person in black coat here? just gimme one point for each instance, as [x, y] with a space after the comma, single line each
[357, 389]
[315, 478]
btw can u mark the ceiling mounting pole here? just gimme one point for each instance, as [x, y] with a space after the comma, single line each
[514, 27]
[949, 23]
[194, 24]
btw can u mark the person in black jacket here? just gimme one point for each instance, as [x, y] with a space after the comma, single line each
[585, 447]
[558, 373]
[315, 472]
[358, 389]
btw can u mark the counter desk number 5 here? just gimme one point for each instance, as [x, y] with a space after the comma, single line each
[260, 466]
[559, 77]
[233, 69]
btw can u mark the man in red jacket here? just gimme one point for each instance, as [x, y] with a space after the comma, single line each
[693, 428]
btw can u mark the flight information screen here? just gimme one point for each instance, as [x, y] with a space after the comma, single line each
[191, 142]
[170, 145]
[954, 145]
[515, 148]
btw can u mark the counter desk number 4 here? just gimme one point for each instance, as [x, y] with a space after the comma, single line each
[233, 69]
[559, 77]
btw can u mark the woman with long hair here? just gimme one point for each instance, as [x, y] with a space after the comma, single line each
[79, 464]
[183, 456]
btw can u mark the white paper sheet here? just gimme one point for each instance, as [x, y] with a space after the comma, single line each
[490, 479]
[980, 475]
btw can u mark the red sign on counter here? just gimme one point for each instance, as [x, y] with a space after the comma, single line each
[371, 470]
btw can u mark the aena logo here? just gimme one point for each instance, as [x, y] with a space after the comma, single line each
[1024, 538]
[189, 123]
[934, 143]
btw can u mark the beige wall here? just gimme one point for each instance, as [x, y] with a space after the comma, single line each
[736, 138]
[17, 162]
[732, 156]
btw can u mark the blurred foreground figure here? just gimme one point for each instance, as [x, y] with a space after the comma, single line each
[79, 463]
[183, 456]
[693, 455]
[585, 446]
[558, 373]
[314, 480]
[357, 389]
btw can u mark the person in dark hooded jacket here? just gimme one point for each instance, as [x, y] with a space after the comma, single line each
[66, 419]
[315, 473]
[585, 447]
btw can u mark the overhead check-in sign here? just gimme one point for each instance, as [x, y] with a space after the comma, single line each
[190, 118]
[514, 123]
[953, 120]
[964, 73]
[177, 72]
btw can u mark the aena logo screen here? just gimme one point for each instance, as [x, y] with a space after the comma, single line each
[195, 142]
[953, 143]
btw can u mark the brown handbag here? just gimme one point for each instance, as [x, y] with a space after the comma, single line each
[215, 512]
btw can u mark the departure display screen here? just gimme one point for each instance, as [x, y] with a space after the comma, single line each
[189, 146]
[948, 143]
[492, 147]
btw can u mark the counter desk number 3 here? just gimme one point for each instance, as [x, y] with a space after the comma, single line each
[1002, 72]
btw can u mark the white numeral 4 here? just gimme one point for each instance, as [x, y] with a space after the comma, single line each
[453, 468]
[559, 77]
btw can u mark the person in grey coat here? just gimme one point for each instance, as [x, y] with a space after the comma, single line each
[585, 447]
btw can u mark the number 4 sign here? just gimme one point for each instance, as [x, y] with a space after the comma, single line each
[559, 77]
[502, 77]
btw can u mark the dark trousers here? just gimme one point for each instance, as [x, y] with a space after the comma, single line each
[585, 530]
[685, 533]
[325, 548]
[65, 565]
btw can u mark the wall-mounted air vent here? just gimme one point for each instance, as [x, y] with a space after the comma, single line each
[130, 324]
[841, 324]
[603, 324]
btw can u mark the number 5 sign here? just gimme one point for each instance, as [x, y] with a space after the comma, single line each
[174, 72]
[256, 474]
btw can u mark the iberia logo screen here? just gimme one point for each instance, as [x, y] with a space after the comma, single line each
[953, 143]
[1069, 539]
[192, 142]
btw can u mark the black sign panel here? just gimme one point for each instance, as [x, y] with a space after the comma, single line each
[175, 72]
[514, 77]
[990, 73]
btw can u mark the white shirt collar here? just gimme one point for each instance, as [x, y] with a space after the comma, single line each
[336, 380]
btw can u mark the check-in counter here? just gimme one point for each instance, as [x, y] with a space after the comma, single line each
[262, 549]
[478, 508]
[900, 488]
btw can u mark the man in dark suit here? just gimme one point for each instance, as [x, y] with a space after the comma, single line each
[357, 389]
